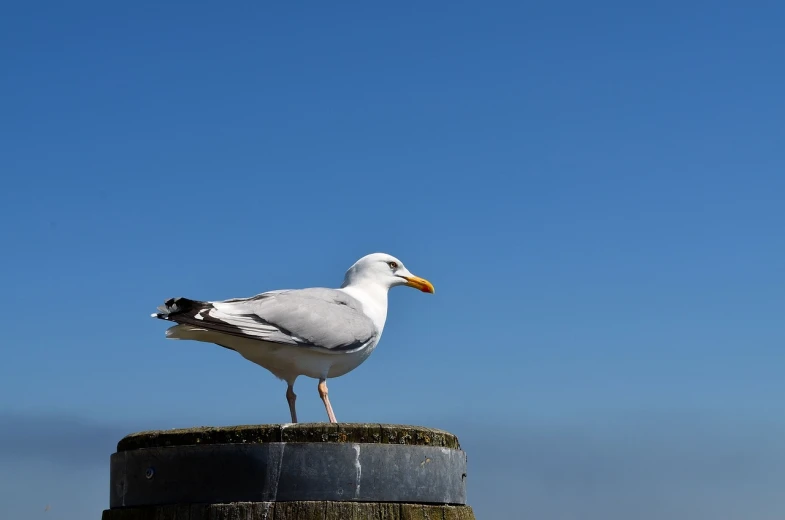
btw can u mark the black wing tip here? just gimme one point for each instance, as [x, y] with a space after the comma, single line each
[178, 305]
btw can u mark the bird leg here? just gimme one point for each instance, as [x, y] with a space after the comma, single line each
[326, 400]
[291, 397]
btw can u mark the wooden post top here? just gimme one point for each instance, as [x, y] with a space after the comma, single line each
[357, 433]
[289, 471]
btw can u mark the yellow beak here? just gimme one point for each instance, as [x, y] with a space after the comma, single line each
[419, 283]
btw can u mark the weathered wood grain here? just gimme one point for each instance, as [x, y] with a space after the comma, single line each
[293, 511]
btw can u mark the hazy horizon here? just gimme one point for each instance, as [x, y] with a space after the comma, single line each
[673, 466]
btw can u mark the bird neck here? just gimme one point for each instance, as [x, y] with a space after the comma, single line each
[373, 297]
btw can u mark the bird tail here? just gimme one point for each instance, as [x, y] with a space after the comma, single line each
[185, 312]
[185, 331]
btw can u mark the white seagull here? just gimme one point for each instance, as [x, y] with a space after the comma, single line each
[316, 332]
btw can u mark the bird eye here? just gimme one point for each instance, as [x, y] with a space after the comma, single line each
[393, 265]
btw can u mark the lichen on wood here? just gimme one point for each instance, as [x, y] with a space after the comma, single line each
[300, 432]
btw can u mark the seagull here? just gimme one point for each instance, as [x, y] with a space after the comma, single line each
[315, 332]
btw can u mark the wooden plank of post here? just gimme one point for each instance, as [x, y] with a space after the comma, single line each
[289, 471]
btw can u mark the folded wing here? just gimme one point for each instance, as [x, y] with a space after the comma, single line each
[326, 319]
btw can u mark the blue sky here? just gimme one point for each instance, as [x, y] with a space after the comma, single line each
[596, 191]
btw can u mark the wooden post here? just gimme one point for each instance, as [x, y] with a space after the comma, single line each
[289, 471]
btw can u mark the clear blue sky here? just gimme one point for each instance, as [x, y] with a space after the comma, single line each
[597, 191]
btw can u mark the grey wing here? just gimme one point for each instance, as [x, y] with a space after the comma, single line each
[320, 318]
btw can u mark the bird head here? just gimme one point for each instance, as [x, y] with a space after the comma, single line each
[385, 270]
